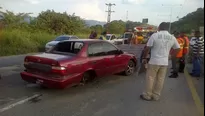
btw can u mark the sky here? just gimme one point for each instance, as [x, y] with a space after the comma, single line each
[156, 11]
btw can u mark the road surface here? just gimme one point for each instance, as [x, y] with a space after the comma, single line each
[114, 95]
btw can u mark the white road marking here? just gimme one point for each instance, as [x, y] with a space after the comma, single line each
[19, 103]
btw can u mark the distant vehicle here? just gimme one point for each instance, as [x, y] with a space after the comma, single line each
[51, 44]
[111, 38]
[77, 61]
[124, 39]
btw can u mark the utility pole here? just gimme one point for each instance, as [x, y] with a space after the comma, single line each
[126, 26]
[171, 6]
[127, 16]
[109, 11]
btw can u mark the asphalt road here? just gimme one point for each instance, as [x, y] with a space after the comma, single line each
[115, 95]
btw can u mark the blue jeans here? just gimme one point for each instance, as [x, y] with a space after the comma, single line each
[196, 66]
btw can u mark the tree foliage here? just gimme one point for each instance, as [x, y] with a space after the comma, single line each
[62, 23]
[191, 21]
[59, 22]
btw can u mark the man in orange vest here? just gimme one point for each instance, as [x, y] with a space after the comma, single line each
[185, 51]
[176, 59]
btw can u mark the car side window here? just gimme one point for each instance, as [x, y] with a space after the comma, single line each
[109, 49]
[95, 49]
[74, 37]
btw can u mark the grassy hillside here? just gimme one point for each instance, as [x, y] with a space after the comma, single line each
[191, 21]
[14, 41]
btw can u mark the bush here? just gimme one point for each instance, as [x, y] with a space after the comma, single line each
[15, 41]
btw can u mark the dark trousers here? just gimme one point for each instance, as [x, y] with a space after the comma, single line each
[181, 65]
[196, 66]
[175, 64]
[178, 65]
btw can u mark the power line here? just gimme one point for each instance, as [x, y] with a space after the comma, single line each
[109, 11]
[181, 8]
[171, 6]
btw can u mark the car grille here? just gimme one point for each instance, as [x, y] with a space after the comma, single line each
[40, 67]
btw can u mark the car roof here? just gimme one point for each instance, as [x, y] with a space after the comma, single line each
[109, 34]
[85, 40]
[66, 36]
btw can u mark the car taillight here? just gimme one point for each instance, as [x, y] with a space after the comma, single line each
[26, 61]
[59, 70]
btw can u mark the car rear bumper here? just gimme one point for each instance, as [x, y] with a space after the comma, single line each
[50, 83]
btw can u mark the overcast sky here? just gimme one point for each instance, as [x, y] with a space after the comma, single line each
[95, 9]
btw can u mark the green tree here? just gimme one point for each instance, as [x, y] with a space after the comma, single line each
[116, 27]
[191, 21]
[59, 22]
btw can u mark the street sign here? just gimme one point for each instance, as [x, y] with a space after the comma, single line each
[145, 21]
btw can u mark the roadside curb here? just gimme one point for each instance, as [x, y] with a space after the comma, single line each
[195, 96]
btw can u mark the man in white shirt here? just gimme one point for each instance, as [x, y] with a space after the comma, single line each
[160, 45]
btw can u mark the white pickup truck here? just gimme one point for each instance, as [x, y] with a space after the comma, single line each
[123, 39]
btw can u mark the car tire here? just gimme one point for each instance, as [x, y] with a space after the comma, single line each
[87, 77]
[131, 66]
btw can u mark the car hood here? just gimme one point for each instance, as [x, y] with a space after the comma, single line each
[52, 43]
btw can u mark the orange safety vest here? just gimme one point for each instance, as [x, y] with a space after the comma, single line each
[181, 43]
[186, 45]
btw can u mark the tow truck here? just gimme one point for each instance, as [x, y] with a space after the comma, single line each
[145, 31]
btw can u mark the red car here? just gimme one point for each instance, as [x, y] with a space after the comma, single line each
[77, 61]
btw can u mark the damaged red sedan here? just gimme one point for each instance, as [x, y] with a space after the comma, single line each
[77, 61]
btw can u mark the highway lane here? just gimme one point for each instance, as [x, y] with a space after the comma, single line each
[110, 96]
[114, 95]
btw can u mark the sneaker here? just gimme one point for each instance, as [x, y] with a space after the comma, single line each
[143, 98]
[173, 76]
[181, 71]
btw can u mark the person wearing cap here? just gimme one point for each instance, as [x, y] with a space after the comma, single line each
[103, 36]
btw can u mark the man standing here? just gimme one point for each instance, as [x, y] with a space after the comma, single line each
[198, 53]
[178, 58]
[103, 36]
[160, 45]
[185, 51]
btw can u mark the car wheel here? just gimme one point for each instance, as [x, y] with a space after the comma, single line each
[130, 68]
[87, 77]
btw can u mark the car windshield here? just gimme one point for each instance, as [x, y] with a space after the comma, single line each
[127, 35]
[61, 38]
[108, 37]
[68, 47]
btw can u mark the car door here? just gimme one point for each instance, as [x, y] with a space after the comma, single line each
[112, 39]
[113, 59]
[97, 58]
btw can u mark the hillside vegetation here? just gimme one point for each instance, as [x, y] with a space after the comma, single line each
[191, 21]
[19, 37]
